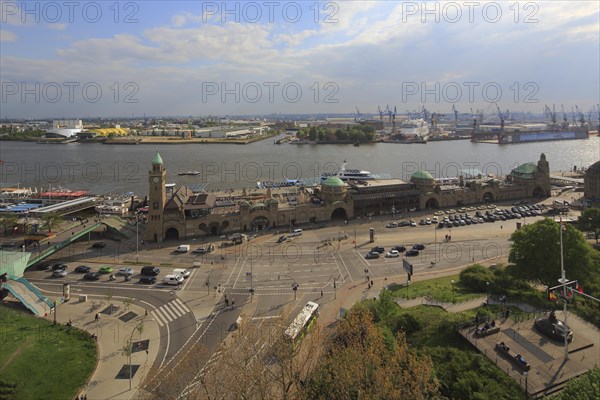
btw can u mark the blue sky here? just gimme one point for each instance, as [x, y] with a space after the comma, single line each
[194, 58]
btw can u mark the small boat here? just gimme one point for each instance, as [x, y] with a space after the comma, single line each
[191, 173]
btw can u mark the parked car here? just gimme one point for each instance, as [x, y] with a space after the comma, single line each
[418, 246]
[59, 273]
[105, 270]
[413, 223]
[371, 255]
[184, 248]
[403, 223]
[43, 266]
[411, 253]
[150, 271]
[399, 248]
[147, 279]
[200, 250]
[125, 271]
[377, 249]
[391, 225]
[83, 269]
[392, 253]
[91, 276]
[99, 245]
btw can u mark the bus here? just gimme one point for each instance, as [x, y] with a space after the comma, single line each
[302, 322]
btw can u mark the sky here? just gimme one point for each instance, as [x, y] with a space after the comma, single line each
[178, 58]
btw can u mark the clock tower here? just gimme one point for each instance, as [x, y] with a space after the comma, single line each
[157, 198]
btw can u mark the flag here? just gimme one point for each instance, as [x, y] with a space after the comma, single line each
[552, 296]
[578, 288]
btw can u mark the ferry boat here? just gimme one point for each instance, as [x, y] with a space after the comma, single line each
[190, 173]
[527, 133]
[346, 174]
[274, 185]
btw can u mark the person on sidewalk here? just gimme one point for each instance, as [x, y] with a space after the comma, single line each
[97, 317]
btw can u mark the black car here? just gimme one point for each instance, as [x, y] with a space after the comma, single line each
[149, 270]
[378, 249]
[412, 253]
[418, 246]
[147, 279]
[44, 266]
[281, 239]
[58, 266]
[92, 276]
[401, 249]
[371, 255]
[99, 245]
[83, 269]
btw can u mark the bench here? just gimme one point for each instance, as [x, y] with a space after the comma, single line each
[516, 359]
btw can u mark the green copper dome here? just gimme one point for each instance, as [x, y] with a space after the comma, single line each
[157, 159]
[421, 176]
[333, 181]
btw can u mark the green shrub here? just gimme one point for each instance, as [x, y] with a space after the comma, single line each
[476, 277]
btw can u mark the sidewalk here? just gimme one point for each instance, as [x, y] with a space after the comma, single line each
[113, 334]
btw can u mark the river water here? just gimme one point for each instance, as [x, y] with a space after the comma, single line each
[124, 168]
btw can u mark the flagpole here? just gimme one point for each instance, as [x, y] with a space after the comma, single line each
[564, 282]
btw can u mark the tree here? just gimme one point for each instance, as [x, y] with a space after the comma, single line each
[51, 221]
[586, 387]
[312, 133]
[9, 222]
[359, 364]
[589, 221]
[535, 253]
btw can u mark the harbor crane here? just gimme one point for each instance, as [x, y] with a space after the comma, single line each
[380, 113]
[502, 116]
[357, 117]
[551, 113]
[565, 123]
[581, 116]
[573, 116]
[455, 111]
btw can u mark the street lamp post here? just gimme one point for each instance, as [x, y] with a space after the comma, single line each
[487, 290]
[139, 327]
[526, 375]
[452, 281]
[137, 238]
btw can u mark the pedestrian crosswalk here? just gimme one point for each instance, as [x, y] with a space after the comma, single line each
[170, 312]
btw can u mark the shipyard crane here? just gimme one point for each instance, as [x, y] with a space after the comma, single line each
[502, 117]
[573, 116]
[425, 114]
[565, 123]
[455, 111]
[380, 113]
[389, 113]
[581, 116]
[551, 113]
[357, 117]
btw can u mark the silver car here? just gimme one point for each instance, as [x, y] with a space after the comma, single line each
[125, 271]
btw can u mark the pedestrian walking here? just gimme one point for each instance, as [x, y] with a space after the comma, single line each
[97, 317]
[321, 293]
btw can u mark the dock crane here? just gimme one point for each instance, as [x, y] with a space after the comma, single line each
[357, 117]
[581, 116]
[573, 116]
[394, 120]
[455, 111]
[565, 123]
[380, 113]
[426, 114]
[551, 113]
[502, 117]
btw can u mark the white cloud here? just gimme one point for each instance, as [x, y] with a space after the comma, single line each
[7, 36]
[58, 27]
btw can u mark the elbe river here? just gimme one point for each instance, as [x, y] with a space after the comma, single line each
[124, 168]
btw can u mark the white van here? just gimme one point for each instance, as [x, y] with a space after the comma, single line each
[173, 279]
[184, 248]
[296, 232]
[181, 271]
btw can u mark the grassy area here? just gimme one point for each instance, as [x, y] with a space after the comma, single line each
[44, 361]
[440, 289]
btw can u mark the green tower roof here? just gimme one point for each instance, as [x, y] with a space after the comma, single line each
[157, 159]
[421, 176]
[333, 181]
